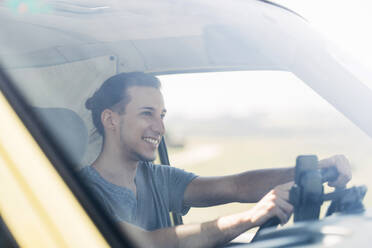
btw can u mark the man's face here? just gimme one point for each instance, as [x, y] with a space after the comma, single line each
[141, 125]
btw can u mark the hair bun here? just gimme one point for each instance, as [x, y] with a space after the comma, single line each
[89, 104]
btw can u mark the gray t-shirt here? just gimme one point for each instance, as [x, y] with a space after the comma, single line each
[160, 189]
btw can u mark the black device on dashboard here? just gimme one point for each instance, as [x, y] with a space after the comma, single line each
[307, 194]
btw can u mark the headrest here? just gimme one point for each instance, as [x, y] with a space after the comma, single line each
[67, 128]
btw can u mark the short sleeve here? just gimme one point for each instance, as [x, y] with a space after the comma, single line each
[178, 182]
[174, 184]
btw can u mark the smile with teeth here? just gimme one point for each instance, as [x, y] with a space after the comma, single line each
[151, 140]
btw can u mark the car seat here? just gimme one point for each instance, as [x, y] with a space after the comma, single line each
[68, 130]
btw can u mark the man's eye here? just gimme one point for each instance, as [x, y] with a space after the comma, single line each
[147, 113]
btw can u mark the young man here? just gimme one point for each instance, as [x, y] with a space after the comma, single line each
[128, 111]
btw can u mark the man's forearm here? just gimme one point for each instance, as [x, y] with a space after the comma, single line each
[251, 186]
[208, 234]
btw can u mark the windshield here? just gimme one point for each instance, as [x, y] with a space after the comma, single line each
[247, 85]
[260, 118]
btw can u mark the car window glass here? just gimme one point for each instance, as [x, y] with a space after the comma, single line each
[228, 122]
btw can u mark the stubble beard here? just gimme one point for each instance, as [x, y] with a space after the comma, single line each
[136, 156]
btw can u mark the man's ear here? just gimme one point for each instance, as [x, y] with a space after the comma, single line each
[110, 119]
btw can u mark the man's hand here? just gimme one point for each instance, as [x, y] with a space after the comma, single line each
[343, 167]
[274, 203]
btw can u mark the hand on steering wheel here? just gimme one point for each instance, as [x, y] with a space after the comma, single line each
[273, 204]
[281, 209]
[342, 164]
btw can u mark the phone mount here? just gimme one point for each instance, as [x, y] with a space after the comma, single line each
[307, 194]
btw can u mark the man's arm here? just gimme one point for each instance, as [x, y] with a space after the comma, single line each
[251, 186]
[220, 231]
[246, 187]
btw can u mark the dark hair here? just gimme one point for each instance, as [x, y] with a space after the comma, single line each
[113, 91]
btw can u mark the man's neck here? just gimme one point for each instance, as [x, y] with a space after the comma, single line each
[115, 168]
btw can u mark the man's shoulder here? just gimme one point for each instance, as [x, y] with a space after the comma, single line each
[157, 168]
[164, 170]
[152, 166]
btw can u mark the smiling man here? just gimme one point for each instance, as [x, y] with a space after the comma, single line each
[128, 111]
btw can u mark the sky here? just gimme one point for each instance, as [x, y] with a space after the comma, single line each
[346, 23]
